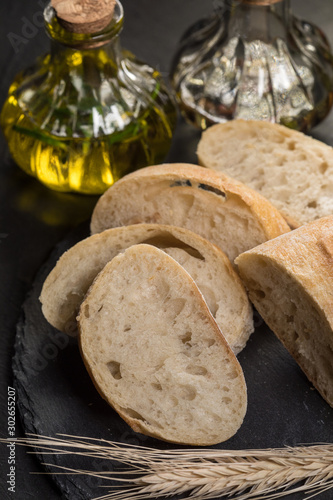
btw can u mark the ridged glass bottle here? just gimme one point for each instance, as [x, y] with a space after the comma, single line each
[88, 112]
[253, 59]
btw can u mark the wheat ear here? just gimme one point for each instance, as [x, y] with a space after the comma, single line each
[199, 474]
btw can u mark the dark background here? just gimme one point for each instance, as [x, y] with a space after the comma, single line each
[33, 219]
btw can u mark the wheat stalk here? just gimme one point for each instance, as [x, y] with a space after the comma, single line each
[200, 474]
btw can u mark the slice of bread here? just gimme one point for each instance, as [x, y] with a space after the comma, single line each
[224, 211]
[293, 171]
[156, 354]
[65, 287]
[290, 281]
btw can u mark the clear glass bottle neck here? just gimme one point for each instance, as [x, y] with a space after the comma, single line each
[253, 19]
[279, 7]
[262, 3]
[80, 55]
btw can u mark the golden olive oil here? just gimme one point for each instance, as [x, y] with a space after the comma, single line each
[86, 165]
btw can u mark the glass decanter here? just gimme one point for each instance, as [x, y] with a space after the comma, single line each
[88, 112]
[253, 59]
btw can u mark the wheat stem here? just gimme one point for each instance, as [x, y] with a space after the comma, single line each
[201, 474]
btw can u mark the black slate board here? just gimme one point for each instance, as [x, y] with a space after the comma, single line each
[56, 395]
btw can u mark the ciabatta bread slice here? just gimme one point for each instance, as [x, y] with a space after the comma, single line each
[67, 284]
[290, 281]
[292, 170]
[156, 354]
[225, 212]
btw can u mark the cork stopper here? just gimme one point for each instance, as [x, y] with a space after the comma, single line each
[84, 16]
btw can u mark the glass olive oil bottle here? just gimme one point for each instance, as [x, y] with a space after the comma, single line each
[254, 60]
[88, 112]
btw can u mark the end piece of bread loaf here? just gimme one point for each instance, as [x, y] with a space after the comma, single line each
[290, 282]
[225, 212]
[66, 285]
[156, 354]
[292, 170]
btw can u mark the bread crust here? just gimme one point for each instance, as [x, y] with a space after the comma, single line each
[190, 179]
[303, 262]
[160, 265]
